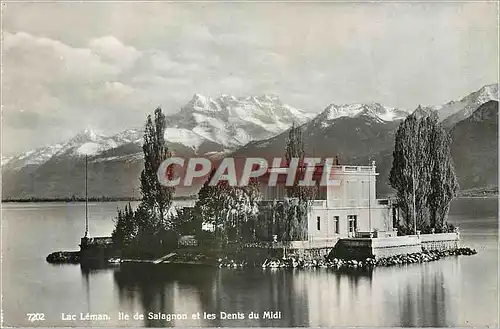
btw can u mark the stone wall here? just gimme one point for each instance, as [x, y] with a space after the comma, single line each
[399, 245]
[355, 248]
[309, 249]
[361, 248]
[441, 241]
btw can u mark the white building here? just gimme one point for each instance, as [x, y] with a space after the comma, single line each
[347, 207]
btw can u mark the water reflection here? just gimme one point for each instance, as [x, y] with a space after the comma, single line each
[427, 294]
[413, 295]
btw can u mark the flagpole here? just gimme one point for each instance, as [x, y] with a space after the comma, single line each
[414, 211]
[86, 201]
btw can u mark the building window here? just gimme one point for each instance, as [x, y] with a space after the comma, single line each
[352, 219]
[336, 224]
[352, 192]
[365, 192]
[318, 223]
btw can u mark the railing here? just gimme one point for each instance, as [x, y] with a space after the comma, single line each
[354, 168]
[319, 203]
[104, 240]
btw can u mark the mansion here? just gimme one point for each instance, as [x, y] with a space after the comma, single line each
[346, 207]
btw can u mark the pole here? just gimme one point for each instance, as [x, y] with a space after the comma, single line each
[414, 211]
[370, 200]
[86, 200]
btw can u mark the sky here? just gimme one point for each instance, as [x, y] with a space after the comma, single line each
[105, 66]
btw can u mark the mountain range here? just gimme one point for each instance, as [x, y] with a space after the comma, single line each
[252, 126]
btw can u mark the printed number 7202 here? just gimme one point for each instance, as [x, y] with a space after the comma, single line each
[32, 317]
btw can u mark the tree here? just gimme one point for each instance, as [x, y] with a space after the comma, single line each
[149, 223]
[232, 210]
[155, 197]
[254, 197]
[295, 212]
[422, 173]
[125, 228]
[210, 204]
[186, 222]
[241, 208]
[444, 184]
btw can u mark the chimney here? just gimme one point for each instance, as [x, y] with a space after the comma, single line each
[336, 160]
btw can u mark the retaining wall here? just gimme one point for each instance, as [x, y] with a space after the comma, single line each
[360, 248]
[440, 241]
[308, 249]
[356, 248]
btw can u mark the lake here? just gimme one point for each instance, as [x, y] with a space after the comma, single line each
[455, 291]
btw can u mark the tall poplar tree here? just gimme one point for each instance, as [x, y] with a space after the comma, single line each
[422, 173]
[444, 184]
[156, 198]
[147, 228]
[295, 212]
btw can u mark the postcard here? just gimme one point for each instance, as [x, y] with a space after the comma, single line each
[249, 164]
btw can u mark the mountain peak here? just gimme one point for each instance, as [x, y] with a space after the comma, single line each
[374, 110]
[87, 135]
[456, 111]
[234, 121]
[198, 100]
[487, 93]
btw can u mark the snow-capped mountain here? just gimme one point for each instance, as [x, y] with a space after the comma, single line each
[243, 126]
[204, 126]
[374, 110]
[345, 130]
[231, 121]
[6, 159]
[130, 136]
[89, 142]
[456, 111]
[359, 133]
[32, 157]
[423, 111]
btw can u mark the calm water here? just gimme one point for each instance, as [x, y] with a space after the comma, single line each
[458, 291]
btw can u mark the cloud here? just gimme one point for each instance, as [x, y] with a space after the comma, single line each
[113, 50]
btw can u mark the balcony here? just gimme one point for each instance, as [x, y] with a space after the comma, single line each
[353, 168]
[319, 204]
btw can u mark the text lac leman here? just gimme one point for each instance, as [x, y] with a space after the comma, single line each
[85, 317]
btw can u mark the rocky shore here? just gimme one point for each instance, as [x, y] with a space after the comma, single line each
[62, 257]
[292, 262]
[338, 263]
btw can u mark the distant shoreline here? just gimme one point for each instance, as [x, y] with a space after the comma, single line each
[478, 197]
[475, 193]
[103, 199]
[484, 192]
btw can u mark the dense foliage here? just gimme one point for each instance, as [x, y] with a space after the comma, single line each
[422, 174]
[231, 210]
[292, 214]
[149, 230]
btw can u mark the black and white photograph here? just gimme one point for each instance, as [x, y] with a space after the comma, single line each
[249, 163]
